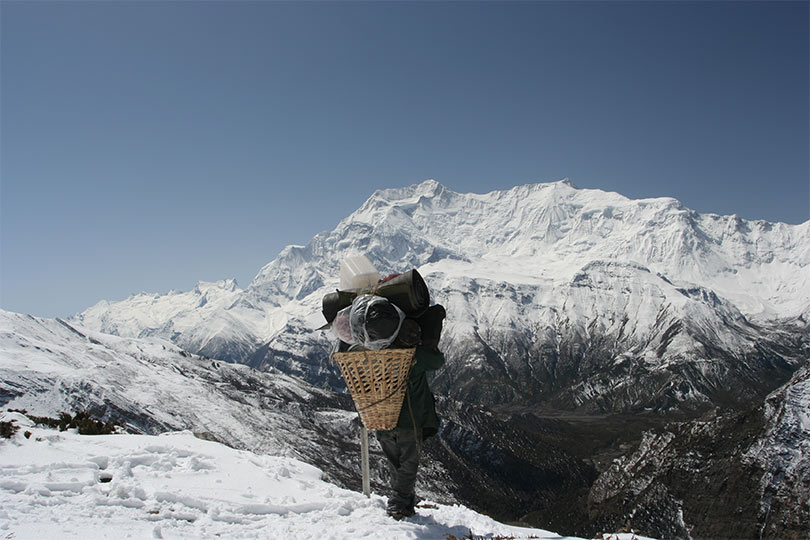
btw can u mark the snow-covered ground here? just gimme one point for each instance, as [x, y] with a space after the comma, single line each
[65, 485]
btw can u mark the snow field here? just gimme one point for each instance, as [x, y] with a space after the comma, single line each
[171, 486]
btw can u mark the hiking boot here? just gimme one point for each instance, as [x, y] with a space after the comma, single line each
[401, 506]
[401, 513]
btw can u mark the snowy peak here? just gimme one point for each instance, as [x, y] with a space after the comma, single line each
[427, 189]
[529, 274]
[226, 285]
[555, 228]
[538, 234]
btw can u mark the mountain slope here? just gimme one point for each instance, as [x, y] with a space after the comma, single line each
[744, 475]
[548, 287]
[150, 386]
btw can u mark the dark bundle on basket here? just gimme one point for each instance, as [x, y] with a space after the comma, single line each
[408, 291]
[378, 328]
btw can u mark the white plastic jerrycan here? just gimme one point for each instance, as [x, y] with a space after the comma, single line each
[357, 273]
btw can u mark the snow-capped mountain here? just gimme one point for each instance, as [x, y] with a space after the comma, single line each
[577, 321]
[555, 295]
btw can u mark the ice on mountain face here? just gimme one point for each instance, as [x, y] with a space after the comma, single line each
[623, 338]
[530, 274]
[552, 229]
[428, 188]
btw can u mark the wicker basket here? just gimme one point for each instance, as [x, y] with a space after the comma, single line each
[377, 381]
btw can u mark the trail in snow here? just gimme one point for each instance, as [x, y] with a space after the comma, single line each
[65, 485]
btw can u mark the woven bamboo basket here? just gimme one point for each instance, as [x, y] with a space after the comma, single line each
[377, 381]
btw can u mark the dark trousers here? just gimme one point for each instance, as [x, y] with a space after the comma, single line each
[402, 448]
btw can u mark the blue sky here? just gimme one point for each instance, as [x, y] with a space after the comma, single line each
[146, 146]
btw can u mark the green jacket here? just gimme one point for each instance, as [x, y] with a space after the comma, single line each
[418, 398]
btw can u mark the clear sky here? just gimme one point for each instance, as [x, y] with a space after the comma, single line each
[147, 145]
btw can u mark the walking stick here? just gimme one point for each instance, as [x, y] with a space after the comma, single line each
[364, 460]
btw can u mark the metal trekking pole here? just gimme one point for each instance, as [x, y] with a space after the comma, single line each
[364, 460]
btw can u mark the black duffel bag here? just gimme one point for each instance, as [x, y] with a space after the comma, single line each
[407, 291]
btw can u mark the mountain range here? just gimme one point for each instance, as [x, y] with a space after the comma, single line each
[578, 299]
[586, 331]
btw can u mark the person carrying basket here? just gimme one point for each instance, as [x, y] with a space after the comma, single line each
[373, 324]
